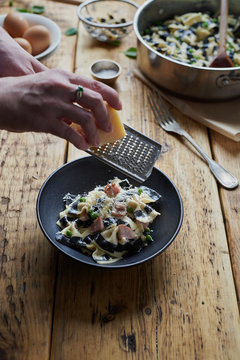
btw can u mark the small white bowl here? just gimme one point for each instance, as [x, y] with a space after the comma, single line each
[106, 71]
[55, 32]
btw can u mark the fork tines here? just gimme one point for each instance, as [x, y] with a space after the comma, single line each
[159, 108]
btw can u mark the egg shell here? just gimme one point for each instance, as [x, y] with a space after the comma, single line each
[15, 24]
[39, 38]
[24, 44]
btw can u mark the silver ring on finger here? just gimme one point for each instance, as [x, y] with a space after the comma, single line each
[79, 93]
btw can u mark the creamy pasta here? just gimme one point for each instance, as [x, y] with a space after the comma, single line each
[193, 38]
[110, 221]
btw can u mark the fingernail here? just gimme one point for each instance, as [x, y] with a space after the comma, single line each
[118, 106]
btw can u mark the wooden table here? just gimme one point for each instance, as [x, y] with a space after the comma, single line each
[181, 305]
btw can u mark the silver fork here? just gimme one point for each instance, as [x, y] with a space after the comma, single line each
[166, 121]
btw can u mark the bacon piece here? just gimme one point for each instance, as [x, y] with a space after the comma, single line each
[97, 225]
[119, 209]
[111, 190]
[126, 233]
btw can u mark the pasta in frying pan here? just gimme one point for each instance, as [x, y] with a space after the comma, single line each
[193, 38]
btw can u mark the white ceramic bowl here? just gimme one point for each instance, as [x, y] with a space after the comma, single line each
[53, 28]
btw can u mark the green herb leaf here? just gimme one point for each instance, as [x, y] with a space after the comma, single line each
[10, 3]
[82, 199]
[205, 24]
[146, 32]
[22, 10]
[131, 52]
[71, 31]
[140, 190]
[37, 9]
[115, 43]
[130, 210]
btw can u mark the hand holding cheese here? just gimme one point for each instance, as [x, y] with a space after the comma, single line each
[33, 98]
[45, 102]
[117, 133]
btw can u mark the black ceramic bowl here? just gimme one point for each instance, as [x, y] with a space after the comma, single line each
[83, 175]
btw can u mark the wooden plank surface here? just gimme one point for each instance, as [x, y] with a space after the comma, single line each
[183, 303]
[28, 261]
[227, 152]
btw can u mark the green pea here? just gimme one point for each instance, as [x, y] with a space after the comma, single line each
[93, 215]
[69, 233]
[149, 238]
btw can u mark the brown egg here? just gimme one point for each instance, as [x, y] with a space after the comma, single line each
[15, 24]
[39, 38]
[24, 44]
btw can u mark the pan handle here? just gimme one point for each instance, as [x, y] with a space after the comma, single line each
[227, 80]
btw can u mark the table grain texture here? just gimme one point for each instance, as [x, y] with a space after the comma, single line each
[184, 304]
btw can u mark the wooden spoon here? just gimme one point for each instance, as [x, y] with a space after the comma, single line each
[222, 60]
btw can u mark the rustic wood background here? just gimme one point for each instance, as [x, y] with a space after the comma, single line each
[181, 305]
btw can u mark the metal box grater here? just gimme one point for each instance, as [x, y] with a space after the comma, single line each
[134, 155]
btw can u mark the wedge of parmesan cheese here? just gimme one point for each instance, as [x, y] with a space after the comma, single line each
[117, 133]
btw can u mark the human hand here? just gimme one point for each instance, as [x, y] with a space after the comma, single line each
[44, 102]
[15, 61]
